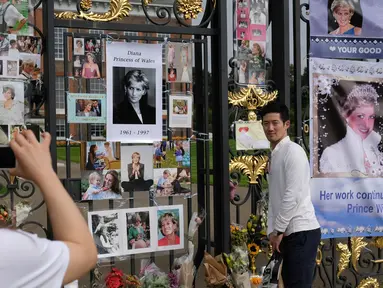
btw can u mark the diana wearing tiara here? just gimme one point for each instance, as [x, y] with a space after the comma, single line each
[360, 150]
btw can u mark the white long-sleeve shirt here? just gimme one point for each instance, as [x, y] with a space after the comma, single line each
[290, 206]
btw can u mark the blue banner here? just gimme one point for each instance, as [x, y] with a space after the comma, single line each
[346, 29]
[346, 146]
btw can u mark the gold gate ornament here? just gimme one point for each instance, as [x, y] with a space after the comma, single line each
[118, 9]
[251, 98]
[249, 165]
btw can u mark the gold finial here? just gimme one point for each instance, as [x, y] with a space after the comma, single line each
[147, 2]
[369, 283]
[251, 166]
[357, 244]
[190, 8]
[86, 5]
[251, 98]
[344, 258]
[118, 9]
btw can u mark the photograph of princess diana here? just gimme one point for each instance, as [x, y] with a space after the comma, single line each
[345, 17]
[349, 128]
[134, 97]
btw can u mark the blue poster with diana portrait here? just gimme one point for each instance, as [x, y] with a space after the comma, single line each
[86, 108]
[346, 146]
[346, 29]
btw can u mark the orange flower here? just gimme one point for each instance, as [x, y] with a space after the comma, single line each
[256, 280]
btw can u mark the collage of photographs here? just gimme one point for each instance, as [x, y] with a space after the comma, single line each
[251, 24]
[20, 73]
[137, 230]
[179, 62]
[87, 57]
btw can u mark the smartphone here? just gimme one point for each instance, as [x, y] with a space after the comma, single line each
[35, 129]
[7, 158]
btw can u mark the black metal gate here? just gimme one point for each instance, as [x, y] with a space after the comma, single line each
[209, 38]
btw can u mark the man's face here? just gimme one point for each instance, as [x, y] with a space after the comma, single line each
[95, 104]
[274, 127]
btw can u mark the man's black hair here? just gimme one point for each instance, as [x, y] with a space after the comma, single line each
[275, 107]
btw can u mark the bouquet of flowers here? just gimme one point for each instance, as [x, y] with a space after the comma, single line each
[153, 277]
[183, 267]
[5, 215]
[23, 210]
[132, 281]
[216, 271]
[115, 279]
[238, 260]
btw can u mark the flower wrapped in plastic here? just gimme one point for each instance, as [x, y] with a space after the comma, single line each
[132, 281]
[5, 216]
[238, 260]
[22, 210]
[183, 267]
[153, 277]
[115, 279]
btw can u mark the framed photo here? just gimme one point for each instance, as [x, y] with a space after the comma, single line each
[78, 46]
[134, 92]
[169, 182]
[12, 103]
[86, 108]
[180, 112]
[174, 154]
[170, 229]
[101, 155]
[179, 64]
[139, 230]
[87, 58]
[107, 230]
[100, 185]
[136, 167]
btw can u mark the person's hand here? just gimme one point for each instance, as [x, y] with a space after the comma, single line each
[33, 159]
[97, 191]
[275, 241]
[132, 241]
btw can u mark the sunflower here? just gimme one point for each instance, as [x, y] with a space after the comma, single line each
[253, 249]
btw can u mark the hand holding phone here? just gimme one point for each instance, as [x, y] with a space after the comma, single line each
[33, 158]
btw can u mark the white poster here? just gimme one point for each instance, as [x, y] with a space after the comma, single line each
[137, 230]
[134, 89]
[180, 111]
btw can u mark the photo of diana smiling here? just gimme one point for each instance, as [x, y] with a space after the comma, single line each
[349, 129]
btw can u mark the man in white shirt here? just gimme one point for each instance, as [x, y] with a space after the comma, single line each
[9, 16]
[33, 262]
[292, 225]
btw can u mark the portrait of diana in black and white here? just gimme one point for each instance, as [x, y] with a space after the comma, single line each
[134, 95]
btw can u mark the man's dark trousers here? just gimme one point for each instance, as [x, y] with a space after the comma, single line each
[299, 252]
